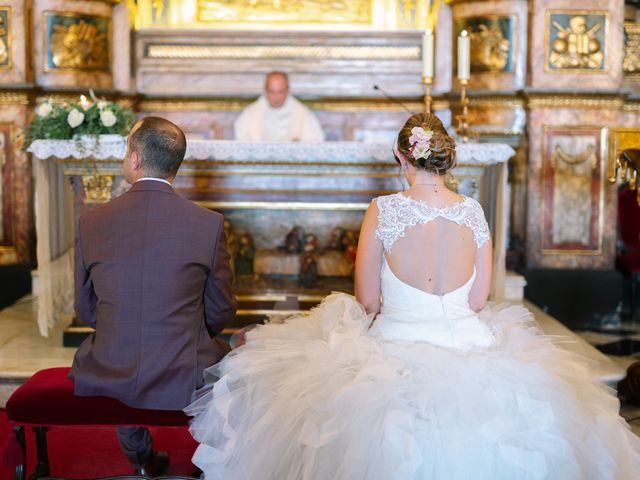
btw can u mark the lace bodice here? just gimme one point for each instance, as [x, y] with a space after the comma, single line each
[398, 212]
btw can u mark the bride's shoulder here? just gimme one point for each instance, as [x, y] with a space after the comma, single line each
[385, 200]
[472, 203]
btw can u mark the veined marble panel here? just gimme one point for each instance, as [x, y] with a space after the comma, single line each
[549, 128]
[14, 42]
[319, 63]
[15, 241]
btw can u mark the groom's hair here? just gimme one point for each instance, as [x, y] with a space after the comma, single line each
[161, 146]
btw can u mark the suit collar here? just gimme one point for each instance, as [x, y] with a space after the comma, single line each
[151, 185]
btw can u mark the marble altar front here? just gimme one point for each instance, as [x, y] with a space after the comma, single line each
[264, 189]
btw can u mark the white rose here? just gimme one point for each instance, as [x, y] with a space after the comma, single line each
[75, 118]
[102, 104]
[420, 151]
[108, 118]
[44, 109]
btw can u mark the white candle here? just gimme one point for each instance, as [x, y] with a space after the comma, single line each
[463, 56]
[427, 54]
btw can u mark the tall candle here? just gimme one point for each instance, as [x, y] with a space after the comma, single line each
[427, 54]
[463, 56]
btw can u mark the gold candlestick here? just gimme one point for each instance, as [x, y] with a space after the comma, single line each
[463, 129]
[427, 82]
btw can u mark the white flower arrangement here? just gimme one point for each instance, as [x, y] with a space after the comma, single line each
[88, 116]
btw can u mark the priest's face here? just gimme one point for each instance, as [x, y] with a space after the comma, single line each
[276, 90]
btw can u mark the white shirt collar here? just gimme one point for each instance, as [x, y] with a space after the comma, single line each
[154, 179]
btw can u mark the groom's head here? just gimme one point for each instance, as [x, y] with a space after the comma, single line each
[155, 148]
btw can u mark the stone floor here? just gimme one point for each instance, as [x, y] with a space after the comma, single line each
[23, 350]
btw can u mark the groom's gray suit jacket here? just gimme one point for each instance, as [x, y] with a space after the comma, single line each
[152, 276]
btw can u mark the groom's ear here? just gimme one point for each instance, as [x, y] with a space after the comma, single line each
[136, 161]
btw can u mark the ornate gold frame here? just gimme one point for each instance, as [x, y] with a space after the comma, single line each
[46, 69]
[515, 46]
[555, 251]
[547, 36]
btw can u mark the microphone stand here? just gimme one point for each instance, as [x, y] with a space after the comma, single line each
[393, 99]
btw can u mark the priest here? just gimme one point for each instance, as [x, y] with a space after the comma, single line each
[277, 116]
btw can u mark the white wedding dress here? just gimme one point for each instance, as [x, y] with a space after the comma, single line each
[430, 391]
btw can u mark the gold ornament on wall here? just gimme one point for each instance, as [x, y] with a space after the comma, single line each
[492, 42]
[287, 11]
[385, 14]
[576, 40]
[76, 42]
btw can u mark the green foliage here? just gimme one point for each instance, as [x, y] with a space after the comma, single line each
[52, 120]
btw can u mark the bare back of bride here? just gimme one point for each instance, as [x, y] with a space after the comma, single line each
[415, 377]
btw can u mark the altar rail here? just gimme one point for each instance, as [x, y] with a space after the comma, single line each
[264, 189]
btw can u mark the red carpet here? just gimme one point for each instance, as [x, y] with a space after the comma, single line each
[76, 452]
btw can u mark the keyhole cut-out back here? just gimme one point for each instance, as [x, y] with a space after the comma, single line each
[428, 248]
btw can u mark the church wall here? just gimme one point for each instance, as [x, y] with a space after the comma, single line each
[202, 77]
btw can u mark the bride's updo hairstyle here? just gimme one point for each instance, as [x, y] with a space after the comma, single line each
[425, 144]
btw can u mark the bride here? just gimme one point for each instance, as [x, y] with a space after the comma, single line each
[414, 378]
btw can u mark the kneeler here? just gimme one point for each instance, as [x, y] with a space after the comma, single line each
[47, 400]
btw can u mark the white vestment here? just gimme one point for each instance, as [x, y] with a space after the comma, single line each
[292, 122]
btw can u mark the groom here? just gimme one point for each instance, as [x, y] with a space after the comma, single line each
[152, 276]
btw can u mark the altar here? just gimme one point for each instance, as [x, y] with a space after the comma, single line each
[264, 190]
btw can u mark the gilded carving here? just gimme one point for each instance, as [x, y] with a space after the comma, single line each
[576, 40]
[492, 42]
[368, 52]
[5, 37]
[623, 162]
[77, 42]
[631, 62]
[97, 188]
[292, 11]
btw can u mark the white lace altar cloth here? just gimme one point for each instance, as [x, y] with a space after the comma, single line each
[114, 147]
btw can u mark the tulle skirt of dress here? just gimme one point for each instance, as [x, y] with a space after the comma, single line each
[318, 398]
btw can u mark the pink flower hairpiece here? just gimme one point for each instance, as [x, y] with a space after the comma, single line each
[420, 141]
